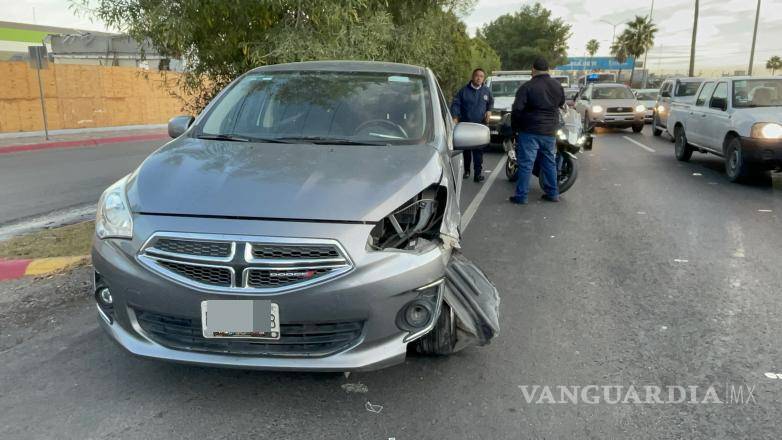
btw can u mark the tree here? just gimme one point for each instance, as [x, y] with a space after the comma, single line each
[592, 47]
[619, 52]
[639, 37]
[773, 64]
[482, 55]
[219, 40]
[520, 37]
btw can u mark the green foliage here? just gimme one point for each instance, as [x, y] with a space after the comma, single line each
[773, 64]
[638, 37]
[482, 55]
[592, 47]
[221, 39]
[619, 51]
[521, 37]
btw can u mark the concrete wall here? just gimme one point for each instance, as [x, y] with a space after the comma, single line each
[79, 96]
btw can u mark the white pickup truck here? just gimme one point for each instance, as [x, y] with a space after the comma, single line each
[738, 118]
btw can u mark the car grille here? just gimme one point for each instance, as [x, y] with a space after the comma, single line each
[243, 263]
[296, 339]
[619, 110]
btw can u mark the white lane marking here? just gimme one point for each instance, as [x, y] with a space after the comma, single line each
[697, 174]
[680, 260]
[473, 206]
[57, 218]
[765, 210]
[649, 149]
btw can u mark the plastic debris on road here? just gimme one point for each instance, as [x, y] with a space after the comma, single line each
[373, 408]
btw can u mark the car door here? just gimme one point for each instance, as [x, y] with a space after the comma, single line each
[693, 124]
[582, 103]
[715, 118]
[664, 103]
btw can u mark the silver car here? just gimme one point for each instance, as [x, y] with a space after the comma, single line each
[307, 219]
[610, 105]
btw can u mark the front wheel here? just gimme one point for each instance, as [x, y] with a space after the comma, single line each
[441, 341]
[683, 150]
[567, 174]
[735, 166]
[638, 128]
[656, 132]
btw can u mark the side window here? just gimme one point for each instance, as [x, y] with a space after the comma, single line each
[705, 93]
[666, 89]
[719, 99]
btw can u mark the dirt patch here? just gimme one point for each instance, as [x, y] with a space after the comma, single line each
[65, 241]
[29, 306]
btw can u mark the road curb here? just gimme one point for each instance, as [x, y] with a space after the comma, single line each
[82, 143]
[12, 269]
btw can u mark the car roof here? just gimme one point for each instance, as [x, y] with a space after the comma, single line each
[687, 79]
[344, 66]
[601, 85]
[745, 77]
[508, 78]
[647, 90]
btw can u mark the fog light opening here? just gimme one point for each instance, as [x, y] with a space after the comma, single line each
[104, 295]
[417, 314]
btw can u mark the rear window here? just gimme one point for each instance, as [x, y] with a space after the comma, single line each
[687, 89]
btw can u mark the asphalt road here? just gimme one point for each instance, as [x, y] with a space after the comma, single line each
[39, 182]
[650, 272]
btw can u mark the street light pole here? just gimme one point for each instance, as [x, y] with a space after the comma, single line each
[754, 38]
[646, 52]
[694, 35]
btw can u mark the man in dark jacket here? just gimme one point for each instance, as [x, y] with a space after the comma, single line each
[535, 120]
[473, 104]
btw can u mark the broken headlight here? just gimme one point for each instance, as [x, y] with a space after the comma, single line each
[419, 217]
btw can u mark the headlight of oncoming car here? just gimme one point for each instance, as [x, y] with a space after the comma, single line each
[418, 218]
[113, 219]
[597, 109]
[766, 130]
[640, 108]
[495, 116]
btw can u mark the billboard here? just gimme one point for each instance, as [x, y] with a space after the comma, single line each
[596, 63]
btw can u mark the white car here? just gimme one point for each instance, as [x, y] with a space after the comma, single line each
[672, 90]
[503, 86]
[648, 98]
[738, 118]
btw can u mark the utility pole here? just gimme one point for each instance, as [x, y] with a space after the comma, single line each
[694, 35]
[754, 38]
[646, 52]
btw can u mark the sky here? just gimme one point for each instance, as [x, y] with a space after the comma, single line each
[724, 29]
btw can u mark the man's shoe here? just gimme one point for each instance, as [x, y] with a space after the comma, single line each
[479, 178]
[517, 201]
[548, 198]
[466, 175]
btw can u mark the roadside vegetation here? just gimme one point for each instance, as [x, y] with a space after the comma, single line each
[65, 241]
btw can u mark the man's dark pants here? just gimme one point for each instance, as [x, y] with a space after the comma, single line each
[527, 148]
[475, 156]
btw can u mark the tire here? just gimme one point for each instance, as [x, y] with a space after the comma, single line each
[656, 132]
[682, 149]
[511, 169]
[638, 128]
[442, 339]
[588, 128]
[736, 167]
[568, 175]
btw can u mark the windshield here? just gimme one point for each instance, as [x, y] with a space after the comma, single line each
[646, 96]
[322, 106]
[687, 89]
[506, 88]
[757, 93]
[612, 93]
[562, 80]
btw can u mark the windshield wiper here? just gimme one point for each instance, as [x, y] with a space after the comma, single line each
[223, 137]
[235, 138]
[320, 140]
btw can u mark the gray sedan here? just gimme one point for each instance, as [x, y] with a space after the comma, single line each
[308, 219]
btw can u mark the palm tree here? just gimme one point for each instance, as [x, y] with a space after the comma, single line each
[592, 48]
[773, 64]
[619, 52]
[639, 37]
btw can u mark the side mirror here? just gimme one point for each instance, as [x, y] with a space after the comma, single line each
[178, 125]
[468, 136]
[719, 103]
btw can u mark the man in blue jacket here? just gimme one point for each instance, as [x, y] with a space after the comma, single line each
[473, 103]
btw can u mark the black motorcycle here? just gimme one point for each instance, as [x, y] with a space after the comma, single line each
[571, 138]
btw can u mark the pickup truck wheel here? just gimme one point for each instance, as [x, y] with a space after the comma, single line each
[735, 166]
[656, 132]
[638, 128]
[442, 339]
[683, 149]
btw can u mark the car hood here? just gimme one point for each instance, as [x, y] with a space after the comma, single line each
[504, 102]
[281, 181]
[606, 103]
[761, 114]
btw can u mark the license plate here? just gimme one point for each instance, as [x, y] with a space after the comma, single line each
[245, 319]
